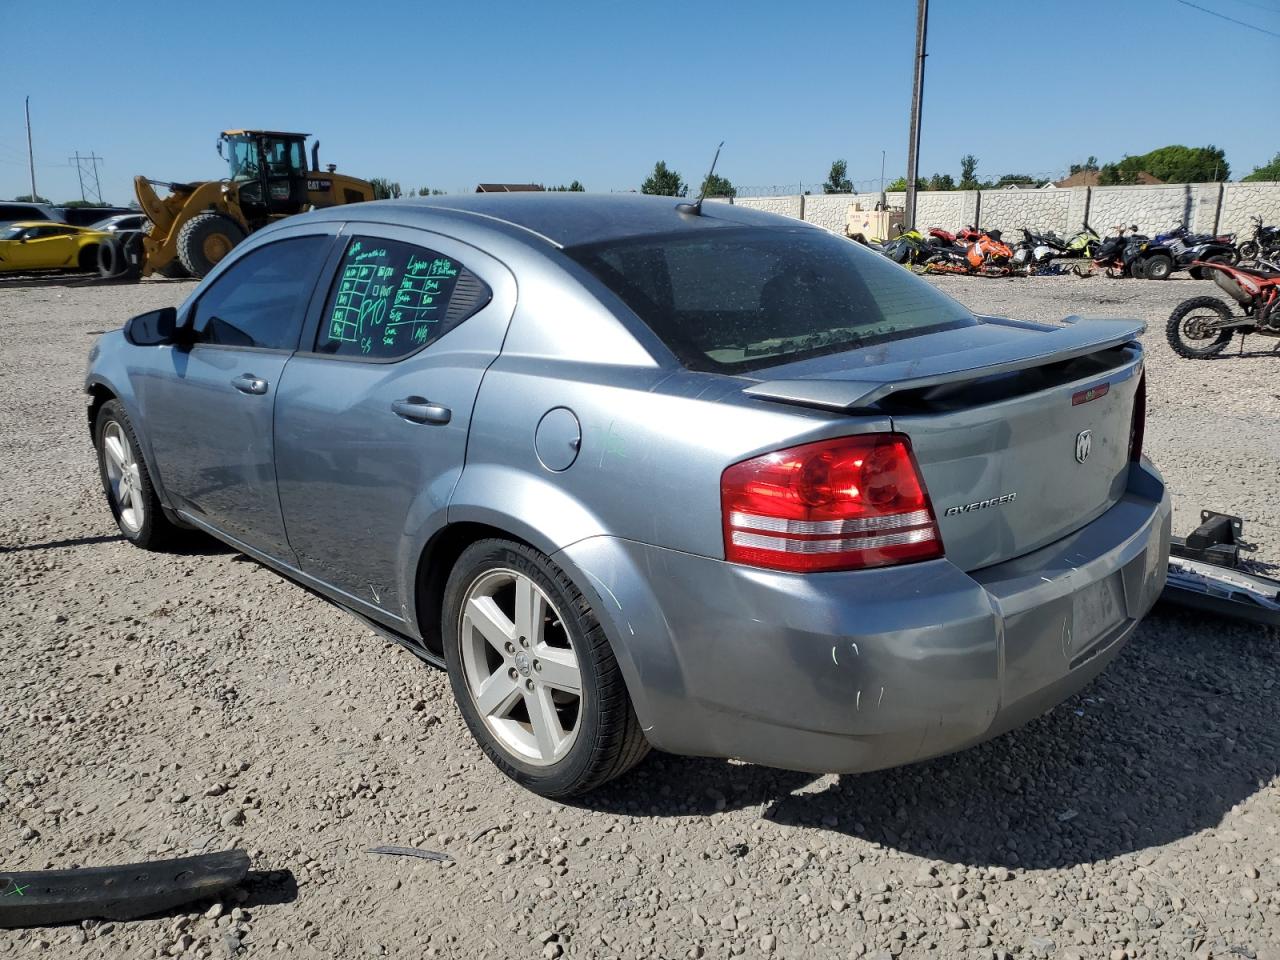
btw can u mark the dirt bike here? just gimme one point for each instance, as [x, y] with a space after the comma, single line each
[1202, 326]
[1264, 243]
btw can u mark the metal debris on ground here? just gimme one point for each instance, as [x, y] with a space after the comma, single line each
[1205, 573]
[411, 852]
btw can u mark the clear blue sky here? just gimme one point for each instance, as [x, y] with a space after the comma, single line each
[448, 95]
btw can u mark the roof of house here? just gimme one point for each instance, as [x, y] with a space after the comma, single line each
[1089, 178]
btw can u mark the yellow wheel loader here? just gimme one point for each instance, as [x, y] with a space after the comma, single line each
[196, 224]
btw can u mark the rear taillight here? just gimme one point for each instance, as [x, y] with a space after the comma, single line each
[1138, 430]
[840, 504]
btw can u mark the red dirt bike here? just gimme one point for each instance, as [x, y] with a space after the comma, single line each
[982, 254]
[1202, 326]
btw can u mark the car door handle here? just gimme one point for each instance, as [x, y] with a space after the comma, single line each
[248, 383]
[421, 410]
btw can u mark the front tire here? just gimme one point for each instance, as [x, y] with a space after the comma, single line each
[1158, 267]
[126, 481]
[1185, 329]
[204, 240]
[533, 673]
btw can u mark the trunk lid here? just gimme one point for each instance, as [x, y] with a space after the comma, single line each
[1021, 430]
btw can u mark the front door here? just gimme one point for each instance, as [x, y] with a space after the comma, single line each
[208, 409]
[372, 415]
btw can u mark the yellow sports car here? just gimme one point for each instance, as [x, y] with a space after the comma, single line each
[41, 245]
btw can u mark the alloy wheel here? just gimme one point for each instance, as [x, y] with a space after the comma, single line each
[520, 667]
[124, 479]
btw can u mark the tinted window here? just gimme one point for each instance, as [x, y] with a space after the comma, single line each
[738, 299]
[22, 213]
[261, 298]
[391, 299]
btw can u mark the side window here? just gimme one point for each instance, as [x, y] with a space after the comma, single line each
[391, 299]
[261, 299]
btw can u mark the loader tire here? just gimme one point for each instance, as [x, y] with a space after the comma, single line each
[204, 240]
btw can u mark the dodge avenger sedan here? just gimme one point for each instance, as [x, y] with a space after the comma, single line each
[639, 472]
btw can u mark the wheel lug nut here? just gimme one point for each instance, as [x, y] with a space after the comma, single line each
[537, 664]
[510, 647]
[524, 641]
[528, 684]
[512, 673]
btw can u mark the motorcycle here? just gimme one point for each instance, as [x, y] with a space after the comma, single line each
[1203, 326]
[1036, 250]
[1082, 243]
[1265, 242]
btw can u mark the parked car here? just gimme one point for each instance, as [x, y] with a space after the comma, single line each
[17, 211]
[122, 223]
[42, 245]
[715, 481]
[88, 216]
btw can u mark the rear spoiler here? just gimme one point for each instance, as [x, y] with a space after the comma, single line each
[1077, 337]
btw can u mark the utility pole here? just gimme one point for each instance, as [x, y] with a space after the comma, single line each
[917, 94]
[31, 157]
[882, 203]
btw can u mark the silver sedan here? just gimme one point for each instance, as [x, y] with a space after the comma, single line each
[641, 472]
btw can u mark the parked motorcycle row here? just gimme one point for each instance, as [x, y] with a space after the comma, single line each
[1128, 253]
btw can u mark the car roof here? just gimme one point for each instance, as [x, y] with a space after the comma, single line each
[561, 219]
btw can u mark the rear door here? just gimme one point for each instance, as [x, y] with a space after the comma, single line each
[373, 413]
[208, 409]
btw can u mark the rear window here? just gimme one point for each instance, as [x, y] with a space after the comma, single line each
[738, 299]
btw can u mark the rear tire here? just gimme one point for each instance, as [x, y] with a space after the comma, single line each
[1138, 270]
[204, 240]
[1248, 250]
[1182, 332]
[527, 679]
[1158, 267]
[126, 481]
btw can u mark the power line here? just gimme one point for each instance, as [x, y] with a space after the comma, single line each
[1274, 11]
[1223, 16]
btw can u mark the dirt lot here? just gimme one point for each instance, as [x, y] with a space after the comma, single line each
[153, 705]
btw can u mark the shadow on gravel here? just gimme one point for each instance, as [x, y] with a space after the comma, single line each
[59, 544]
[1182, 727]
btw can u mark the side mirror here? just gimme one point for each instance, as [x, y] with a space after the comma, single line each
[154, 329]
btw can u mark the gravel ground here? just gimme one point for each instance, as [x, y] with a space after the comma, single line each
[155, 705]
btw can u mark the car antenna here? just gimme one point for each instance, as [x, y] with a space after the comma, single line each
[695, 208]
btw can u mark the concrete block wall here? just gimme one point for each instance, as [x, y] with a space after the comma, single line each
[1010, 210]
[1240, 201]
[1205, 207]
[1154, 209]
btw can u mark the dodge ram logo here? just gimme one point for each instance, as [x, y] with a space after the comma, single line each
[1084, 443]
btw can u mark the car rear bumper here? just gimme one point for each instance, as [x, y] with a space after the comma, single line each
[845, 672]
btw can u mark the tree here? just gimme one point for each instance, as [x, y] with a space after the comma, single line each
[939, 181]
[900, 185]
[1018, 179]
[717, 186]
[664, 182]
[1268, 171]
[1172, 164]
[82, 203]
[838, 180]
[1090, 165]
[384, 189]
[28, 198]
[574, 187]
[969, 173]
[427, 192]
